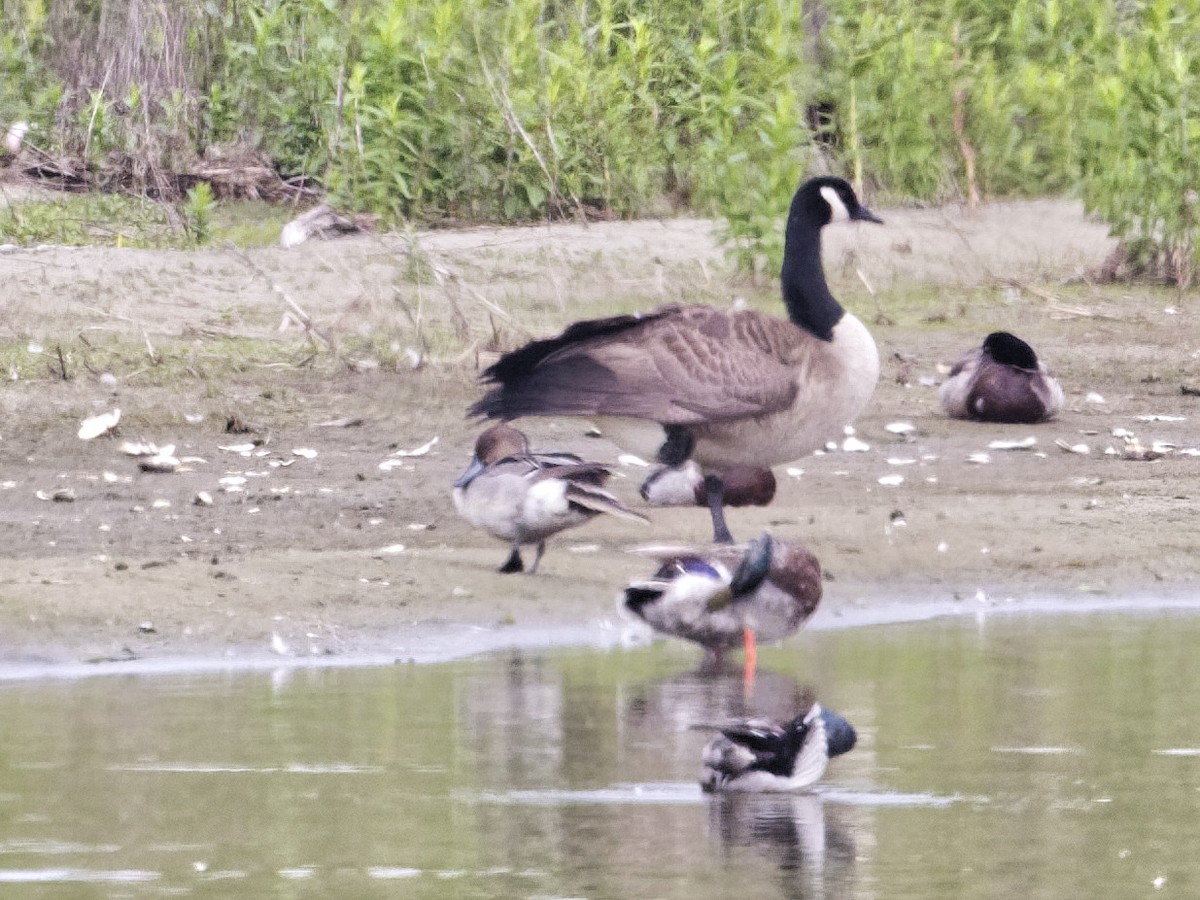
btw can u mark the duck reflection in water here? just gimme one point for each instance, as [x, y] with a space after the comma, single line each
[810, 841]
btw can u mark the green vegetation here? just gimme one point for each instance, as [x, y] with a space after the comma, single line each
[473, 110]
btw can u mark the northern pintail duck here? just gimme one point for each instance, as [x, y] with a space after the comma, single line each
[524, 498]
[723, 387]
[727, 595]
[764, 755]
[1001, 381]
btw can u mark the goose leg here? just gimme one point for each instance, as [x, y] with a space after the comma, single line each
[537, 557]
[514, 563]
[677, 448]
[714, 487]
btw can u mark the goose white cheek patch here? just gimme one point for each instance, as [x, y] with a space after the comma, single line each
[836, 206]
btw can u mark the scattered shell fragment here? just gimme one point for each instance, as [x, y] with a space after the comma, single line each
[392, 548]
[891, 480]
[901, 461]
[61, 495]
[140, 448]
[229, 481]
[147, 628]
[418, 451]
[161, 503]
[162, 461]
[304, 452]
[243, 449]
[1066, 447]
[854, 445]
[1094, 398]
[202, 498]
[94, 426]
[900, 428]
[1023, 444]
[420, 526]
[980, 459]
[1122, 433]
[794, 472]
[1136, 450]
[628, 459]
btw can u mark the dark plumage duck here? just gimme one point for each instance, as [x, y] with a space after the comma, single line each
[765, 755]
[728, 595]
[1001, 381]
[524, 497]
[725, 388]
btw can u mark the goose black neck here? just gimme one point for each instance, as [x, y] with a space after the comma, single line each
[805, 293]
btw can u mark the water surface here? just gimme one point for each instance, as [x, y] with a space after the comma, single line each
[1029, 756]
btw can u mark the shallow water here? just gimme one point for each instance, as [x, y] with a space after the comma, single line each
[1029, 756]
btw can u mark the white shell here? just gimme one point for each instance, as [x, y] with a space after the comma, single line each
[891, 480]
[304, 452]
[1023, 444]
[418, 451]
[94, 426]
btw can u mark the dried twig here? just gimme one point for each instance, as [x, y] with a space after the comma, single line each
[294, 310]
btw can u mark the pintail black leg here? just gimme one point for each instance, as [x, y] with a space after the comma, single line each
[514, 562]
[537, 557]
[677, 448]
[714, 487]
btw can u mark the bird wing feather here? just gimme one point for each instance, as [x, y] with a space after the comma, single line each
[680, 365]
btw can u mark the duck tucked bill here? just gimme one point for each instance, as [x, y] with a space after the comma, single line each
[1002, 380]
[764, 755]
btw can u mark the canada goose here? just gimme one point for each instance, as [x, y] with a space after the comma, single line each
[1001, 381]
[764, 755]
[728, 595]
[725, 388]
[524, 497]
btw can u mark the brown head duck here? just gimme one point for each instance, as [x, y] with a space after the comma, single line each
[524, 498]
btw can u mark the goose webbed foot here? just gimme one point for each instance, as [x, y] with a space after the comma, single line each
[537, 557]
[514, 562]
[714, 489]
[677, 448]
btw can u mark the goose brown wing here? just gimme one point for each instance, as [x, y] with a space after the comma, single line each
[678, 366]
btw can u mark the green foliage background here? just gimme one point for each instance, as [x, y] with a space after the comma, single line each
[477, 110]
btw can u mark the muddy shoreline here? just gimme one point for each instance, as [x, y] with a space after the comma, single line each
[301, 563]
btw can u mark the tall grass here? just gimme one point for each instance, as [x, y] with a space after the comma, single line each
[512, 110]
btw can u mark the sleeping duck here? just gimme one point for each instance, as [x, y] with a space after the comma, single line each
[728, 594]
[685, 485]
[524, 497]
[1001, 381]
[764, 755]
[722, 387]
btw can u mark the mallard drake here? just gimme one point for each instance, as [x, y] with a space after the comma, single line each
[763, 755]
[725, 388]
[728, 595]
[1001, 381]
[524, 498]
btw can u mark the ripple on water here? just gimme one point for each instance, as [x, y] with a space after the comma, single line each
[103, 876]
[683, 793]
